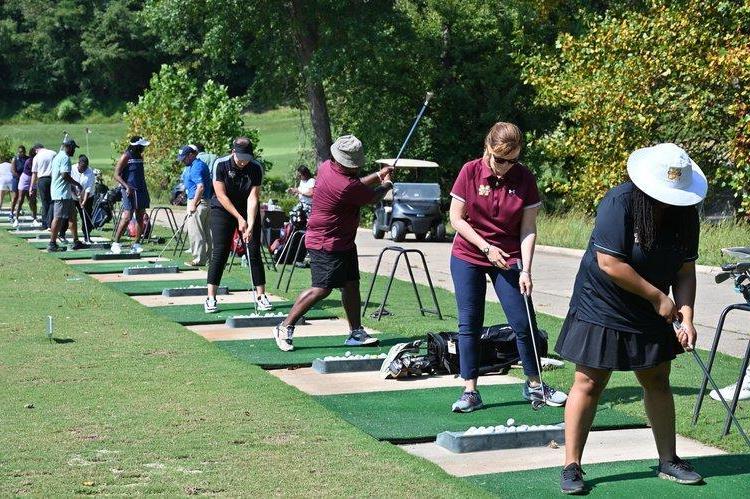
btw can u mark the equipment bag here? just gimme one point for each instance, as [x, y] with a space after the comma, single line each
[238, 246]
[498, 350]
[102, 213]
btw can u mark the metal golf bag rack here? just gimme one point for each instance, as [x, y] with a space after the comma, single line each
[740, 275]
[296, 241]
[399, 253]
[171, 221]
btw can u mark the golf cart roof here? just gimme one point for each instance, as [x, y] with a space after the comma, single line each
[408, 163]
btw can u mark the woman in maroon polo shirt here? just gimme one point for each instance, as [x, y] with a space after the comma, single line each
[494, 208]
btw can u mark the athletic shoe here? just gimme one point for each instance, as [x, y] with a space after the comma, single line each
[15, 222]
[78, 245]
[728, 391]
[469, 401]
[283, 336]
[360, 338]
[571, 479]
[36, 223]
[210, 306]
[385, 371]
[264, 303]
[62, 239]
[552, 397]
[679, 471]
[136, 248]
[10, 217]
[53, 247]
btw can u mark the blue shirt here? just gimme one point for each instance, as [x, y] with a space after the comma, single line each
[60, 189]
[198, 174]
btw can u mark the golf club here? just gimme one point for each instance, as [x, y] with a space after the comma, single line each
[250, 271]
[536, 403]
[83, 220]
[178, 231]
[413, 127]
[677, 326]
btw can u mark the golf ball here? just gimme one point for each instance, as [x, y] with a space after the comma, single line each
[510, 422]
[471, 431]
[511, 429]
[347, 354]
[523, 427]
[382, 356]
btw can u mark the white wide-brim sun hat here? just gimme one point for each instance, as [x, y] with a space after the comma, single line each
[666, 173]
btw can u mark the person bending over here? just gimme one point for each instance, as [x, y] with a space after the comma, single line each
[236, 206]
[130, 174]
[644, 242]
[331, 229]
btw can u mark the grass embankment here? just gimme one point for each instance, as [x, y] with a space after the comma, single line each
[573, 231]
[127, 403]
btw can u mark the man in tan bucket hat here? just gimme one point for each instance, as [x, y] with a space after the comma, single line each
[331, 229]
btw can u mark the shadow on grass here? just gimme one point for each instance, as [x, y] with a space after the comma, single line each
[62, 341]
[625, 394]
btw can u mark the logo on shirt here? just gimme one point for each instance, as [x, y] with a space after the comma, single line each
[484, 190]
[231, 173]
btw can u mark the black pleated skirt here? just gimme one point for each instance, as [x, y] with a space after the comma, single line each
[601, 347]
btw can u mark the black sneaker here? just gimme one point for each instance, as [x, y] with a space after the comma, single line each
[571, 479]
[679, 471]
[78, 245]
[53, 247]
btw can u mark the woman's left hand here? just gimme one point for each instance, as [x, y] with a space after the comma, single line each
[525, 284]
[687, 335]
[247, 234]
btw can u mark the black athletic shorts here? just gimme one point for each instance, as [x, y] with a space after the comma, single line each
[333, 269]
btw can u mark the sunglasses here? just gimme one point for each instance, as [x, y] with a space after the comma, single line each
[502, 161]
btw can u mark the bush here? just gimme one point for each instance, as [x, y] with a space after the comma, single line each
[176, 110]
[67, 110]
[33, 112]
[6, 149]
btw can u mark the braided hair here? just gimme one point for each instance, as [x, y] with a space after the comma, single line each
[676, 219]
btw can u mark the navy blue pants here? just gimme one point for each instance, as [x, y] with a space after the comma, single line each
[470, 284]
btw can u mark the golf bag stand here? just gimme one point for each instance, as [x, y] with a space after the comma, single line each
[711, 356]
[405, 253]
[181, 238]
[296, 241]
[265, 253]
[171, 221]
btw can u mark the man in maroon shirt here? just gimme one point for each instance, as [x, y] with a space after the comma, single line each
[331, 229]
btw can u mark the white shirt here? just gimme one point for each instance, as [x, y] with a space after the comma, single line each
[6, 177]
[306, 184]
[86, 179]
[42, 163]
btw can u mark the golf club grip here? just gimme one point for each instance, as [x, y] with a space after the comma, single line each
[428, 97]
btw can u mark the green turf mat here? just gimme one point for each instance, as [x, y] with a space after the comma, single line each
[266, 354]
[194, 314]
[725, 476]
[156, 287]
[419, 415]
[113, 268]
[89, 253]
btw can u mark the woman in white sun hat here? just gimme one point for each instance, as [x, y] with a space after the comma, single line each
[644, 242]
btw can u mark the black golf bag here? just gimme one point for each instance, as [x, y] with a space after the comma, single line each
[297, 221]
[104, 205]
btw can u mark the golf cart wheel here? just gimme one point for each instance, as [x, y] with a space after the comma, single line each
[377, 233]
[421, 237]
[438, 232]
[398, 231]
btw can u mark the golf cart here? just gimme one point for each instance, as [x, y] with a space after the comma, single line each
[410, 207]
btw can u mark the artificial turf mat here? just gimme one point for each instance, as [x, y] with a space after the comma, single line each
[156, 287]
[89, 253]
[266, 354]
[193, 314]
[419, 415]
[725, 476]
[113, 268]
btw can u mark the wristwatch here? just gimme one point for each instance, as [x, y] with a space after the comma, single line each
[486, 250]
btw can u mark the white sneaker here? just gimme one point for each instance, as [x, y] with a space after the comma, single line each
[210, 306]
[136, 248]
[264, 303]
[115, 249]
[36, 223]
[728, 391]
[283, 336]
[15, 222]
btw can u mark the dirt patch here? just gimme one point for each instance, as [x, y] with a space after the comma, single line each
[280, 439]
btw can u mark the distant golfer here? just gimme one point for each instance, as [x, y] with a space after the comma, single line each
[26, 191]
[41, 180]
[645, 240]
[131, 175]
[18, 161]
[331, 229]
[304, 191]
[199, 190]
[61, 192]
[236, 206]
[494, 208]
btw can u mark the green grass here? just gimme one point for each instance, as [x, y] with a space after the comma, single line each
[572, 230]
[127, 403]
[284, 137]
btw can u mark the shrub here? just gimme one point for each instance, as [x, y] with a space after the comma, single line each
[67, 110]
[6, 149]
[33, 112]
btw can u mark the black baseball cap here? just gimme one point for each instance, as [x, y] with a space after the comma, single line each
[243, 148]
[70, 142]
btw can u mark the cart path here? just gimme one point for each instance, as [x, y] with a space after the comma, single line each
[554, 273]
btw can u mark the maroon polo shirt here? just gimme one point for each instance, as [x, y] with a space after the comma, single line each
[494, 208]
[337, 199]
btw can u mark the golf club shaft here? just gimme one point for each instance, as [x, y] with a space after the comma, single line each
[250, 270]
[178, 231]
[413, 127]
[533, 343]
[721, 397]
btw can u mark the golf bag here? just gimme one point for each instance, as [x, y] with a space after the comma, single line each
[104, 206]
[133, 226]
[498, 350]
[297, 221]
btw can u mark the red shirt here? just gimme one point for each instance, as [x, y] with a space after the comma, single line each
[494, 208]
[335, 213]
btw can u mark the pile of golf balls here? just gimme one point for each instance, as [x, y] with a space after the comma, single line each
[255, 316]
[511, 428]
[349, 356]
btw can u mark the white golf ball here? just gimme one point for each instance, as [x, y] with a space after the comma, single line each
[481, 429]
[382, 356]
[511, 429]
[510, 422]
[471, 431]
[347, 354]
[523, 427]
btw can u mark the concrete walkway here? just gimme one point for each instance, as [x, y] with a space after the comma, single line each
[554, 272]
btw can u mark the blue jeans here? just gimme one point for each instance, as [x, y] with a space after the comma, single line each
[470, 285]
